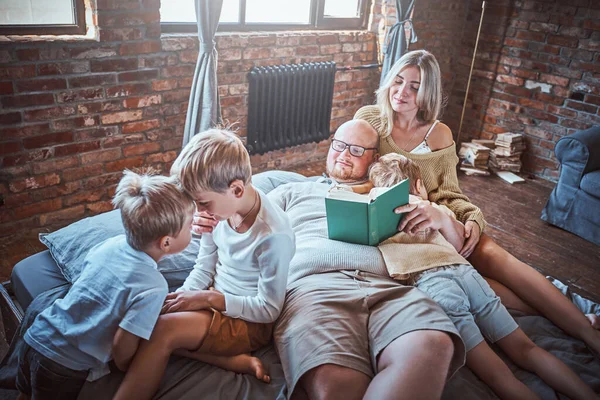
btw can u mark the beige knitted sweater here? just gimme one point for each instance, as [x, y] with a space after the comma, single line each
[406, 254]
[438, 170]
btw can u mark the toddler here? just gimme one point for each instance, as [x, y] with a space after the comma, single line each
[428, 260]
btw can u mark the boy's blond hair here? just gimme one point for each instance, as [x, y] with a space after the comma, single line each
[152, 206]
[211, 161]
[393, 168]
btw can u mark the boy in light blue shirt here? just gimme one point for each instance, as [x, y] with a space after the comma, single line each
[245, 261]
[116, 300]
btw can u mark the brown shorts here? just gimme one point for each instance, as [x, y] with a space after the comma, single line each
[232, 336]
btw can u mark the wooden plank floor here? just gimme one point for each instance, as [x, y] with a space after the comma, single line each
[512, 213]
[513, 216]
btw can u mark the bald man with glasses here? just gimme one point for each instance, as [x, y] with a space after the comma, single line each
[347, 330]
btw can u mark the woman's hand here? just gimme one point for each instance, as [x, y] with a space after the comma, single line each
[472, 234]
[420, 215]
[203, 223]
[189, 300]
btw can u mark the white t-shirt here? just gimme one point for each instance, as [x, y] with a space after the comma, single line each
[250, 268]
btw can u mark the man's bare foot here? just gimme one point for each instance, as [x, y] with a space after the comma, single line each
[594, 320]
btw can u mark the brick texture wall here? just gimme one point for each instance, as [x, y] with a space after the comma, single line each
[75, 114]
[439, 26]
[537, 72]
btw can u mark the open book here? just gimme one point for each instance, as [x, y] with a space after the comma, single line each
[364, 218]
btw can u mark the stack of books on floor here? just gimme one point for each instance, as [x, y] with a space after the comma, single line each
[474, 158]
[507, 154]
[506, 157]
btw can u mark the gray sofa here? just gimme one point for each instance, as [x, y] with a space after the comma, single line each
[574, 204]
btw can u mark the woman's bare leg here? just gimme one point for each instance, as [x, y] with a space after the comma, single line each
[241, 364]
[496, 263]
[510, 299]
[172, 331]
[490, 368]
[554, 372]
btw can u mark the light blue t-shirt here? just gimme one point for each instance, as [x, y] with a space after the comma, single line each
[119, 287]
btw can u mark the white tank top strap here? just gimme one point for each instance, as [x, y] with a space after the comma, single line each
[423, 147]
[431, 129]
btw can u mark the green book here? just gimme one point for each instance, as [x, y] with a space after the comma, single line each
[365, 219]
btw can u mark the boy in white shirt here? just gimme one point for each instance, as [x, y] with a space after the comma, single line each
[227, 305]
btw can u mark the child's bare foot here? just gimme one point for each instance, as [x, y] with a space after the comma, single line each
[246, 364]
[241, 364]
[259, 369]
[594, 320]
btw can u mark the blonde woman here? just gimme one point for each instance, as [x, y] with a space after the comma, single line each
[406, 117]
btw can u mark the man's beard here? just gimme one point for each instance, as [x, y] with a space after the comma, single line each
[342, 174]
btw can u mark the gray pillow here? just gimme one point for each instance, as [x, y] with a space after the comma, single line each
[70, 245]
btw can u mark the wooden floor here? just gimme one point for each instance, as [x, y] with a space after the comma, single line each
[512, 213]
[513, 216]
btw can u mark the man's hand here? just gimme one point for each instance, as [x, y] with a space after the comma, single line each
[193, 300]
[203, 223]
[420, 215]
[472, 234]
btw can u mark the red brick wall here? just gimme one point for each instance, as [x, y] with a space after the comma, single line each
[537, 72]
[75, 114]
[439, 26]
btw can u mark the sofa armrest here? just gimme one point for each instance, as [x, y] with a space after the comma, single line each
[580, 152]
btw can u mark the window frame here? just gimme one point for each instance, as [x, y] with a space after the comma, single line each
[78, 28]
[317, 21]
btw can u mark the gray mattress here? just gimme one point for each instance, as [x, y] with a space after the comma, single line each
[188, 379]
[35, 275]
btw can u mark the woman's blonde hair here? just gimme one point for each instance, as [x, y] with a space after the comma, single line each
[211, 161]
[152, 206]
[429, 96]
[393, 168]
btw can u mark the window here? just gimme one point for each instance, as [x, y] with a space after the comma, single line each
[249, 15]
[42, 17]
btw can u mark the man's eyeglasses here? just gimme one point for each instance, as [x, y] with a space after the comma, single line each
[356, 151]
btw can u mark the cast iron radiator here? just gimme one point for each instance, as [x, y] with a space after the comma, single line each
[289, 105]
